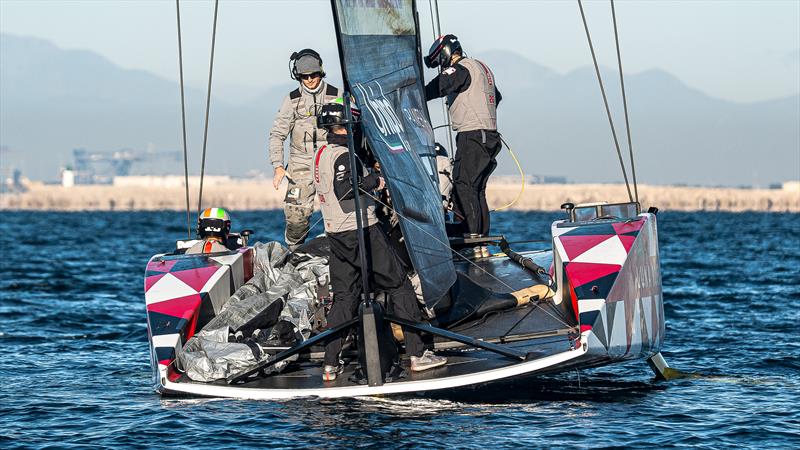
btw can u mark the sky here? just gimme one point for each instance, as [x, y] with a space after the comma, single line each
[743, 51]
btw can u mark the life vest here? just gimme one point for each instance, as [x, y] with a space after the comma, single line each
[338, 215]
[475, 108]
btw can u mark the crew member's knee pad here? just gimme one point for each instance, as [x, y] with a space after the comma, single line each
[297, 214]
[296, 224]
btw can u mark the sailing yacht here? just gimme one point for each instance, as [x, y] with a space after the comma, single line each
[592, 297]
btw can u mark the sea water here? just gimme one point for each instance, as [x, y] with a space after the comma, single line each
[75, 367]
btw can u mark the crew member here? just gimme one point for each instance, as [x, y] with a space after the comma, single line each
[472, 99]
[297, 116]
[444, 166]
[332, 180]
[213, 228]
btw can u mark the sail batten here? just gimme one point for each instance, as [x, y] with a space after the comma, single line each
[378, 48]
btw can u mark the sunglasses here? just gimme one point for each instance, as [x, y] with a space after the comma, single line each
[308, 76]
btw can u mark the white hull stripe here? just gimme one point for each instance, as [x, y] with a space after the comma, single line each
[166, 340]
[594, 304]
[388, 388]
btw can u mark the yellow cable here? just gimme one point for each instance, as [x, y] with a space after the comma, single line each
[521, 175]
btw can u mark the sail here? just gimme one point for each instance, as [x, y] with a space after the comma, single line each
[378, 48]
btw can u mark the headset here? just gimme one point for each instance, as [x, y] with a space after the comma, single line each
[297, 55]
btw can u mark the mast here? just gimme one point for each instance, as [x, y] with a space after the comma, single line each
[362, 255]
[365, 291]
[379, 50]
[337, 27]
[421, 75]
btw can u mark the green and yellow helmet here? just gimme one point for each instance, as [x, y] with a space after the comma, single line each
[214, 222]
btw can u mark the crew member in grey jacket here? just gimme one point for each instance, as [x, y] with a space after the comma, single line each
[297, 117]
[332, 178]
[472, 98]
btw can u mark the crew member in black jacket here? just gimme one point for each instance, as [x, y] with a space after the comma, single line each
[332, 180]
[472, 98]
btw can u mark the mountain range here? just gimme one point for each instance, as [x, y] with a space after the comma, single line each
[53, 100]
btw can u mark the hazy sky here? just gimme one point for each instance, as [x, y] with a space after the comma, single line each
[737, 50]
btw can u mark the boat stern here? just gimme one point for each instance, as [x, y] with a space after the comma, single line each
[182, 293]
[609, 271]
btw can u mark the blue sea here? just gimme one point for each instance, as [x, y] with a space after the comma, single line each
[75, 369]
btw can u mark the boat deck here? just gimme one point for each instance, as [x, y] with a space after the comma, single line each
[462, 364]
[542, 329]
[500, 274]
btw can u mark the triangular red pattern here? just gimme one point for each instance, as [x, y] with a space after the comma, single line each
[628, 227]
[160, 266]
[182, 307]
[173, 374]
[574, 299]
[196, 278]
[151, 280]
[576, 245]
[582, 273]
[192, 324]
[627, 241]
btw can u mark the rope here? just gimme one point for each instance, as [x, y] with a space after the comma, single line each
[605, 101]
[208, 107]
[447, 244]
[183, 123]
[521, 176]
[624, 102]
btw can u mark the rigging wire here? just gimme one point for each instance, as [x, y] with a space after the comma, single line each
[434, 7]
[605, 101]
[624, 102]
[183, 123]
[437, 31]
[447, 244]
[531, 309]
[433, 24]
[521, 177]
[208, 107]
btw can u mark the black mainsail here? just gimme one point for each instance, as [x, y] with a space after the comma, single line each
[378, 48]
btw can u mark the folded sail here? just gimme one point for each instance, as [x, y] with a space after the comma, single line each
[381, 67]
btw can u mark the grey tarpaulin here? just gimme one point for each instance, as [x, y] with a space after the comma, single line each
[279, 291]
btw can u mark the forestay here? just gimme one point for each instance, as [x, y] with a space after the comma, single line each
[378, 48]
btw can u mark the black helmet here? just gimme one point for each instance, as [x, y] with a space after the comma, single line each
[440, 150]
[442, 50]
[333, 114]
[214, 222]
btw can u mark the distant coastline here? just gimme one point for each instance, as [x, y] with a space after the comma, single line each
[255, 195]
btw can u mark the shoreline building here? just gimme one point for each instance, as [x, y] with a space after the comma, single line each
[102, 167]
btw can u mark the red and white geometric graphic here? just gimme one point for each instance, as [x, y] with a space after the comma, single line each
[611, 276]
[182, 292]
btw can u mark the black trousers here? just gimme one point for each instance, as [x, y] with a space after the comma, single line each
[475, 160]
[387, 274]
